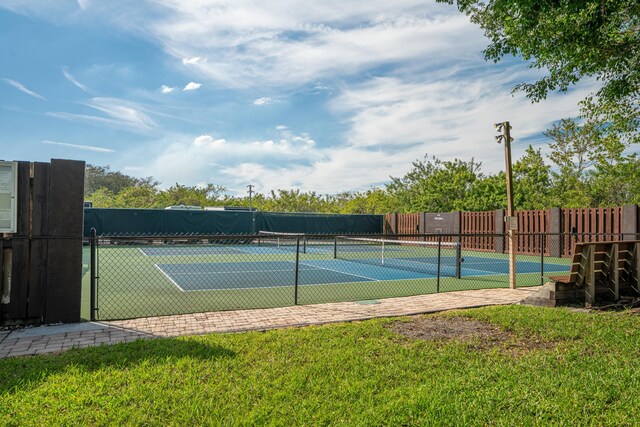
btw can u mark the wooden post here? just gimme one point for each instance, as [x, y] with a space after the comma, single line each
[590, 285]
[635, 267]
[64, 275]
[20, 248]
[39, 242]
[614, 272]
[630, 222]
[554, 242]
[499, 230]
[506, 128]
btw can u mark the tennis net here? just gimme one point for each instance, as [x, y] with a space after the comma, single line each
[283, 241]
[437, 258]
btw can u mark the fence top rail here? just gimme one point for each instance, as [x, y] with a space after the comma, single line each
[609, 242]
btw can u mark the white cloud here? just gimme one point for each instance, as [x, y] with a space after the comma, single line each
[206, 156]
[79, 147]
[192, 86]
[194, 60]
[392, 123]
[119, 113]
[84, 4]
[56, 11]
[262, 101]
[22, 88]
[257, 43]
[167, 89]
[447, 118]
[69, 77]
[206, 140]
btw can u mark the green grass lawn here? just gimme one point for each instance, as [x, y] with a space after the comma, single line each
[586, 373]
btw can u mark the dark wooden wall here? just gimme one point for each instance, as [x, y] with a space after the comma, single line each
[46, 250]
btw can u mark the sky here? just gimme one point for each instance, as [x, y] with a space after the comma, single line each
[329, 96]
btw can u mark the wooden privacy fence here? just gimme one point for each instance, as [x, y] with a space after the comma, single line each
[485, 231]
[473, 225]
[531, 223]
[41, 263]
[593, 225]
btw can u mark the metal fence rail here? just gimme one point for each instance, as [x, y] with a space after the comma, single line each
[140, 276]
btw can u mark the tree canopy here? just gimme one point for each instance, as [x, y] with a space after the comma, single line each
[571, 40]
[96, 177]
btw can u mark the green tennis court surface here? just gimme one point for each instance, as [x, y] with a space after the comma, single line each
[136, 281]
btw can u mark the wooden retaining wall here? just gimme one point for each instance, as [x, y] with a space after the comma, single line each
[41, 264]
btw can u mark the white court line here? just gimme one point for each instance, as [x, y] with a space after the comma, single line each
[312, 267]
[143, 252]
[168, 277]
[239, 271]
[337, 271]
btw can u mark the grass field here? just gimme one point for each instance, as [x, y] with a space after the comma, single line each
[556, 367]
[135, 281]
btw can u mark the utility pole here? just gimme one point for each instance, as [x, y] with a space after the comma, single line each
[252, 228]
[250, 187]
[512, 223]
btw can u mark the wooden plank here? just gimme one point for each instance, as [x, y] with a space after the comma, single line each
[19, 279]
[635, 268]
[602, 229]
[590, 288]
[24, 196]
[579, 225]
[39, 244]
[20, 248]
[566, 223]
[65, 216]
[614, 275]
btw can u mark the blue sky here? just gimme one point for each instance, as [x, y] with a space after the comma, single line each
[324, 96]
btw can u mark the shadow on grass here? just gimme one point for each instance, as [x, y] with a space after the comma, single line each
[23, 373]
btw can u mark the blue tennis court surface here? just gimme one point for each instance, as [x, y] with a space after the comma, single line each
[481, 266]
[235, 249]
[248, 275]
[227, 250]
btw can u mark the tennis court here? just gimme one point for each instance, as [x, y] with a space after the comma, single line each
[150, 278]
[243, 275]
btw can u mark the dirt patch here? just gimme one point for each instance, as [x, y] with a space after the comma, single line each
[478, 335]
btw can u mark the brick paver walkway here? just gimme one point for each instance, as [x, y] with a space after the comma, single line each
[48, 339]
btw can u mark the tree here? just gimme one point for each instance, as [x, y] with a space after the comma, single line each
[488, 193]
[102, 198]
[373, 201]
[572, 151]
[531, 178]
[434, 185]
[182, 195]
[136, 197]
[571, 40]
[296, 201]
[96, 177]
[615, 183]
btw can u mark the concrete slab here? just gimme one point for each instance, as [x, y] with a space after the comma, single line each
[46, 330]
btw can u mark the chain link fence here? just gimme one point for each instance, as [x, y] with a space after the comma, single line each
[141, 276]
